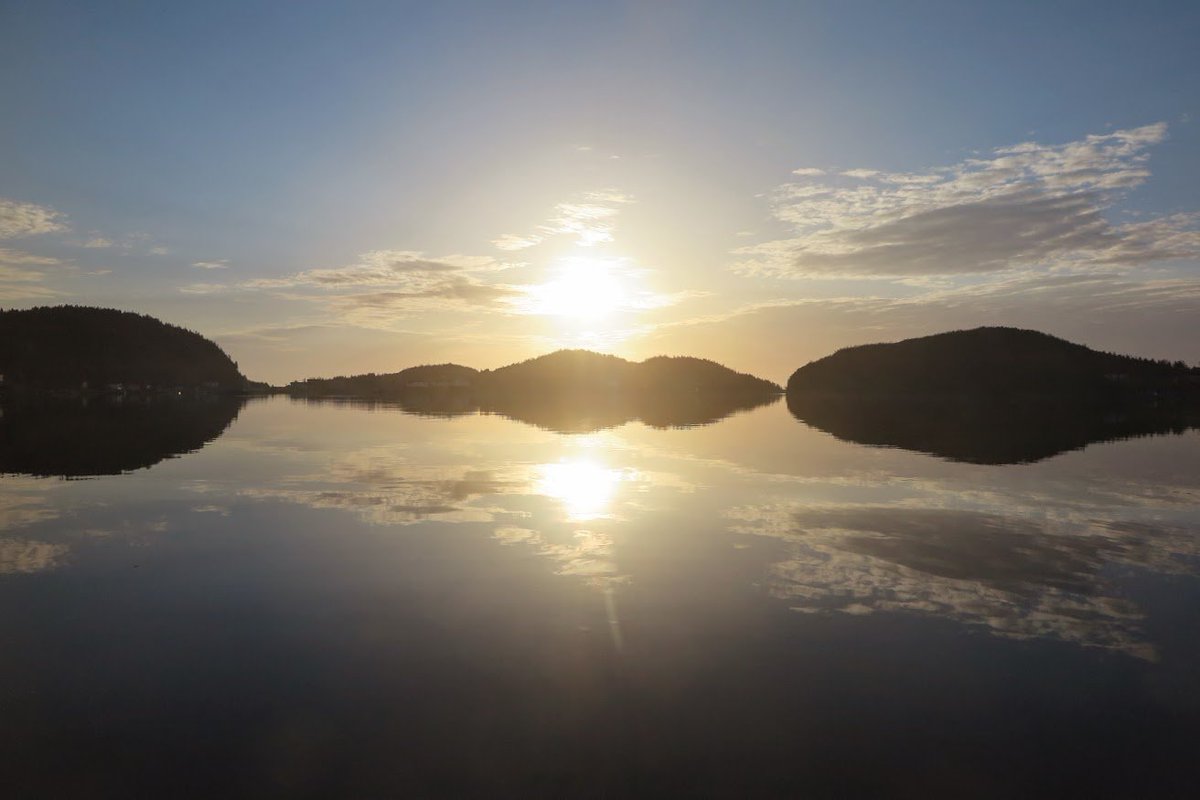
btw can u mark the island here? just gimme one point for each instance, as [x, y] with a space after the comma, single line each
[567, 391]
[96, 391]
[70, 351]
[992, 395]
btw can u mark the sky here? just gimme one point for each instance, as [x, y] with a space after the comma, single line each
[337, 188]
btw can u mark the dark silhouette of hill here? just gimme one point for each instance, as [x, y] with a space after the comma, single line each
[77, 348]
[72, 439]
[412, 381]
[566, 391]
[576, 391]
[988, 361]
[992, 395]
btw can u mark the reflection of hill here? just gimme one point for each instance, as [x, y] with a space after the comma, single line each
[568, 391]
[582, 413]
[71, 439]
[442, 402]
[983, 430]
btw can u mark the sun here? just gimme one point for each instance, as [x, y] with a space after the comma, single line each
[588, 290]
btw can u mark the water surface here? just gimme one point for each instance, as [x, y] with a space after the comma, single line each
[331, 599]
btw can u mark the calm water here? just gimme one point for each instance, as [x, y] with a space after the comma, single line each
[338, 600]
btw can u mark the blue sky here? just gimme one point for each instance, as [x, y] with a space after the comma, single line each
[341, 187]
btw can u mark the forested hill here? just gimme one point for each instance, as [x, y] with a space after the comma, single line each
[64, 347]
[582, 371]
[576, 372]
[391, 384]
[989, 361]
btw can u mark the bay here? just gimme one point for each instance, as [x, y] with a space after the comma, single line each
[343, 599]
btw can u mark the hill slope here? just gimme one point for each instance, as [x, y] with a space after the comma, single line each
[582, 371]
[392, 384]
[987, 361]
[63, 347]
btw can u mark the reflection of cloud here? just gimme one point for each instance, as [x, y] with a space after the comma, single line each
[211, 509]
[1025, 205]
[27, 219]
[386, 491]
[20, 510]
[25, 555]
[1019, 578]
[585, 554]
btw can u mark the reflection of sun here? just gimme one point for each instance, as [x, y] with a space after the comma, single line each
[585, 488]
[584, 289]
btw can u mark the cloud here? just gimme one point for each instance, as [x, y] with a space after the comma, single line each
[219, 263]
[1026, 205]
[398, 280]
[455, 292]
[99, 242]
[590, 219]
[511, 241]
[411, 270]
[808, 171]
[589, 223]
[27, 219]
[204, 288]
[11, 257]
[21, 277]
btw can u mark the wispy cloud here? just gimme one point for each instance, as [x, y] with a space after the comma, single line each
[511, 241]
[1027, 205]
[219, 263]
[22, 276]
[457, 291]
[399, 281]
[590, 219]
[406, 269]
[27, 219]
[204, 288]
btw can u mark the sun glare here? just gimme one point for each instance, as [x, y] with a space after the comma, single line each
[584, 488]
[584, 289]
